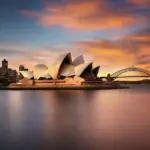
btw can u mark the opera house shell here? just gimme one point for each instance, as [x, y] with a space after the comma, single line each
[40, 70]
[63, 67]
[95, 70]
[27, 74]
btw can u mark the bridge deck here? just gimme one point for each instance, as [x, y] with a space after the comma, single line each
[132, 77]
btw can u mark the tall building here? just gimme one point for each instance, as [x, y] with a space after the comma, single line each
[8, 73]
[22, 68]
[4, 64]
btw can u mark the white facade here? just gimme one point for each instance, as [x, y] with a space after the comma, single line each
[78, 61]
[63, 67]
[67, 70]
[27, 74]
[57, 66]
[40, 70]
[81, 68]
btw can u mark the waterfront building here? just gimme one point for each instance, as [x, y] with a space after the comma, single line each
[95, 70]
[26, 74]
[62, 71]
[8, 73]
[12, 75]
[40, 70]
[79, 60]
[4, 68]
[22, 68]
[4, 64]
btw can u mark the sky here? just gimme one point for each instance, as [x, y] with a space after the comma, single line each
[114, 34]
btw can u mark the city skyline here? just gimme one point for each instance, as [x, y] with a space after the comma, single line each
[115, 34]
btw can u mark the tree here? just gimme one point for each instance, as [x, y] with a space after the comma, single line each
[4, 81]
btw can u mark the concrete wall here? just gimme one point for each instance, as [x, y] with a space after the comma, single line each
[25, 81]
[67, 81]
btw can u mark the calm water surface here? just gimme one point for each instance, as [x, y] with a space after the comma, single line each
[75, 120]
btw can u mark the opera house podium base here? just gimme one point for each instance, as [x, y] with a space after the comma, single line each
[66, 87]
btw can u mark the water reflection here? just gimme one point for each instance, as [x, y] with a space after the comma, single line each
[107, 120]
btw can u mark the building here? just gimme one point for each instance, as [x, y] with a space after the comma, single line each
[4, 64]
[12, 75]
[22, 68]
[62, 71]
[8, 73]
[63, 67]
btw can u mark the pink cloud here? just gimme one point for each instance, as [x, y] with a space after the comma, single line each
[85, 15]
[130, 50]
[140, 3]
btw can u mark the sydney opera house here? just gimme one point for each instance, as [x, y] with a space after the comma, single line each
[62, 71]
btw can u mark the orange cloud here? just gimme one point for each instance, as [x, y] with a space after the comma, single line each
[132, 50]
[139, 2]
[106, 52]
[28, 56]
[86, 15]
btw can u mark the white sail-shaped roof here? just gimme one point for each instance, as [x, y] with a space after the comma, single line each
[47, 76]
[79, 60]
[80, 69]
[27, 74]
[68, 70]
[96, 70]
[40, 70]
[57, 67]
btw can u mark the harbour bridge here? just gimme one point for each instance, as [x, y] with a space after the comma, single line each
[119, 74]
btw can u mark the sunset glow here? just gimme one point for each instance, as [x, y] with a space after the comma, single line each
[115, 34]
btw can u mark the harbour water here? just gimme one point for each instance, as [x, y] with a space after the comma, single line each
[76, 120]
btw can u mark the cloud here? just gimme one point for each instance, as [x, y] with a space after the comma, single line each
[141, 3]
[132, 50]
[7, 50]
[140, 37]
[143, 60]
[107, 52]
[86, 15]
[28, 56]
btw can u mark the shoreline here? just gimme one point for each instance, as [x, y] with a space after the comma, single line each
[65, 87]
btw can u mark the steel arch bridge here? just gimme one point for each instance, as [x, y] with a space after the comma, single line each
[120, 72]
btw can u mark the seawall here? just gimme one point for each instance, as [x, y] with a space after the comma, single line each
[81, 87]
